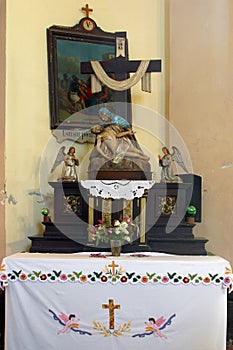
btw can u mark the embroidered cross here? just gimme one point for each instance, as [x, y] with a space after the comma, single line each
[111, 308]
[113, 265]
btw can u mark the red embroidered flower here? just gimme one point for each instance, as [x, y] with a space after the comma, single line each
[165, 279]
[186, 280]
[144, 279]
[123, 279]
[63, 277]
[23, 277]
[227, 280]
[104, 278]
[83, 278]
[43, 277]
[3, 277]
[206, 280]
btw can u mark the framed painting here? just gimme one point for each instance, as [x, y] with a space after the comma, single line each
[72, 102]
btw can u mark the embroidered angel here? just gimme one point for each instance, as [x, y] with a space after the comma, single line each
[71, 322]
[154, 326]
[167, 174]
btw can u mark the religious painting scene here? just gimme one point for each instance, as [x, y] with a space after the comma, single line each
[74, 88]
[114, 230]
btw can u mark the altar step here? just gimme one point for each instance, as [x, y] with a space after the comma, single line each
[62, 244]
[181, 246]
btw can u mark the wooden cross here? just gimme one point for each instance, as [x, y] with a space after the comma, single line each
[113, 265]
[87, 10]
[111, 308]
[121, 68]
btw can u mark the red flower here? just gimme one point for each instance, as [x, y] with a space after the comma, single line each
[227, 280]
[3, 277]
[165, 279]
[63, 277]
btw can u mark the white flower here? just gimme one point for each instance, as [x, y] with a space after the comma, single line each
[124, 224]
[117, 223]
[117, 231]
[127, 238]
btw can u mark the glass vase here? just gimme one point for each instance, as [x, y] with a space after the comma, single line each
[115, 247]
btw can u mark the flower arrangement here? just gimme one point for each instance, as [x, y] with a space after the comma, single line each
[122, 229]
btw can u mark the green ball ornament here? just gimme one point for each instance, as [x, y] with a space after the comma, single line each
[45, 211]
[191, 210]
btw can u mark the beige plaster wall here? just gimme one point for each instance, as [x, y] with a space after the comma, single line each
[27, 107]
[201, 106]
[2, 121]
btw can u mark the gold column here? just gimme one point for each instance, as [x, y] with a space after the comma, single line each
[128, 208]
[90, 217]
[143, 221]
[107, 210]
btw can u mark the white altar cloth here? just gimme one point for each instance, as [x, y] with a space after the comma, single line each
[97, 301]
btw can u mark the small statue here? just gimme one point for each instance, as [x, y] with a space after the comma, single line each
[116, 148]
[70, 163]
[167, 174]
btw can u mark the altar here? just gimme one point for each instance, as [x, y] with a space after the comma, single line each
[135, 301]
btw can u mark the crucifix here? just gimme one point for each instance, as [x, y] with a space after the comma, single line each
[87, 10]
[111, 308]
[121, 68]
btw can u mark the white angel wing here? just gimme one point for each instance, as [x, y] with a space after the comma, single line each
[60, 157]
[176, 156]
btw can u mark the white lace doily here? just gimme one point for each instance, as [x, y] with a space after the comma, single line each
[117, 189]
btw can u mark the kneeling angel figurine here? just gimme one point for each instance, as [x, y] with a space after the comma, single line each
[69, 172]
[167, 173]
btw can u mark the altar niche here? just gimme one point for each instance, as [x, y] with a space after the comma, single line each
[111, 209]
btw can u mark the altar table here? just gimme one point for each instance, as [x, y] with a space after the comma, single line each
[97, 301]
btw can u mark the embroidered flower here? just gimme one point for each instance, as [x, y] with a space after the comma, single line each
[23, 277]
[206, 280]
[144, 279]
[104, 278]
[124, 279]
[186, 280]
[43, 277]
[227, 281]
[83, 278]
[3, 277]
[63, 277]
[165, 279]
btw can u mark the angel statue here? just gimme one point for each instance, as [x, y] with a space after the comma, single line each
[69, 173]
[167, 174]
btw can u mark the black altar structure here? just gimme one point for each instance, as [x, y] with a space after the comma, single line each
[163, 226]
